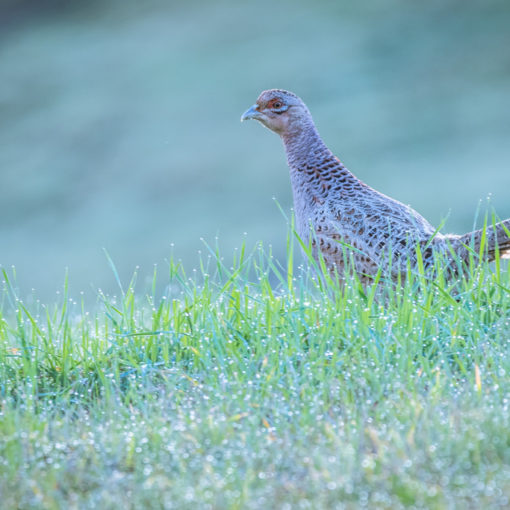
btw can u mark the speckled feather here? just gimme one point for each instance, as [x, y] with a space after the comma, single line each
[348, 220]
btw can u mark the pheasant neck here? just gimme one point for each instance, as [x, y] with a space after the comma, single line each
[304, 146]
[314, 173]
[314, 170]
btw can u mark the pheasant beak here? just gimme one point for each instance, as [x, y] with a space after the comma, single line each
[252, 113]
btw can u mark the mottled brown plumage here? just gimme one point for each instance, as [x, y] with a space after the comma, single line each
[350, 221]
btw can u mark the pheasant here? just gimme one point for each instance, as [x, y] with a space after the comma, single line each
[354, 226]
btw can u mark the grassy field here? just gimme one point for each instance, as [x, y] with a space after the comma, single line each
[257, 386]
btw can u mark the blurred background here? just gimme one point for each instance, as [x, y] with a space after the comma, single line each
[119, 122]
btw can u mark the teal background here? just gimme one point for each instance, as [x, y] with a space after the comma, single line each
[119, 122]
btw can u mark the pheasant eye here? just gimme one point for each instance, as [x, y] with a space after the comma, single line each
[277, 104]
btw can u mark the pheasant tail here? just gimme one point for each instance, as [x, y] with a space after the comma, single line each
[497, 237]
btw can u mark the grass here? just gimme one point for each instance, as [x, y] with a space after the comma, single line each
[256, 386]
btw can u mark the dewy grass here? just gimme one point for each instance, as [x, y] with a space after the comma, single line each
[260, 386]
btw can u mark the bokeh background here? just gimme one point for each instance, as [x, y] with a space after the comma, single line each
[119, 121]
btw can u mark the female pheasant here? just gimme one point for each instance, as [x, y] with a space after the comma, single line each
[350, 222]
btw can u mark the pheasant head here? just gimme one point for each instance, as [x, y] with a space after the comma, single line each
[281, 111]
